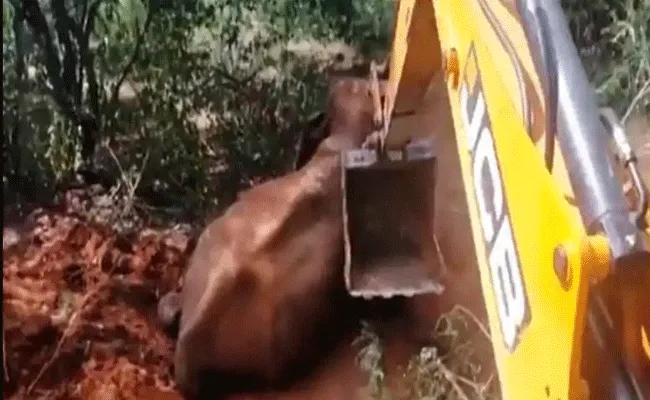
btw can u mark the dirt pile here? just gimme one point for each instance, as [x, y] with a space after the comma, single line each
[80, 310]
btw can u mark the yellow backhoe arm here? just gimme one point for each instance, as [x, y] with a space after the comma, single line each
[549, 256]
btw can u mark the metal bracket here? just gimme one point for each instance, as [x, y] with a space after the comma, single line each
[627, 158]
[359, 158]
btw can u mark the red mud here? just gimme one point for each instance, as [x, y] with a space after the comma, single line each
[79, 304]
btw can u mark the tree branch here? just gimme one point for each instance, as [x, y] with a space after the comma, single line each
[88, 57]
[83, 50]
[645, 90]
[36, 20]
[64, 27]
[134, 56]
[20, 66]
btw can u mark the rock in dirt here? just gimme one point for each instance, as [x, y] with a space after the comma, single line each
[10, 237]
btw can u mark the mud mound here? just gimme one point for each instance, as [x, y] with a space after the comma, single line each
[80, 310]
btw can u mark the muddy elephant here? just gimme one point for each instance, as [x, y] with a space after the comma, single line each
[263, 294]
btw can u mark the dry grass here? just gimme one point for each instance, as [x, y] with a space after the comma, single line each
[433, 373]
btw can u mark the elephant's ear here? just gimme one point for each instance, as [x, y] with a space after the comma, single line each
[315, 131]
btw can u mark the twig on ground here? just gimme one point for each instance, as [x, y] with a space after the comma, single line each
[645, 90]
[470, 383]
[478, 387]
[486, 385]
[69, 328]
[28, 295]
[474, 318]
[453, 380]
[136, 182]
[130, 183]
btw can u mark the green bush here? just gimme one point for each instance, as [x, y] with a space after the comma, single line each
[613, 37]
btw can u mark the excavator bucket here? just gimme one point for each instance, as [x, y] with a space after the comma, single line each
[388, 206]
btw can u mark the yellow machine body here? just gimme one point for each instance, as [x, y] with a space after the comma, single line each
[473, 55]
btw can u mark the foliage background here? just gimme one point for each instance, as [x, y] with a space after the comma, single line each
[188, 101]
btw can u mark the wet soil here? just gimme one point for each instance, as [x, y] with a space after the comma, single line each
[79, 309]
